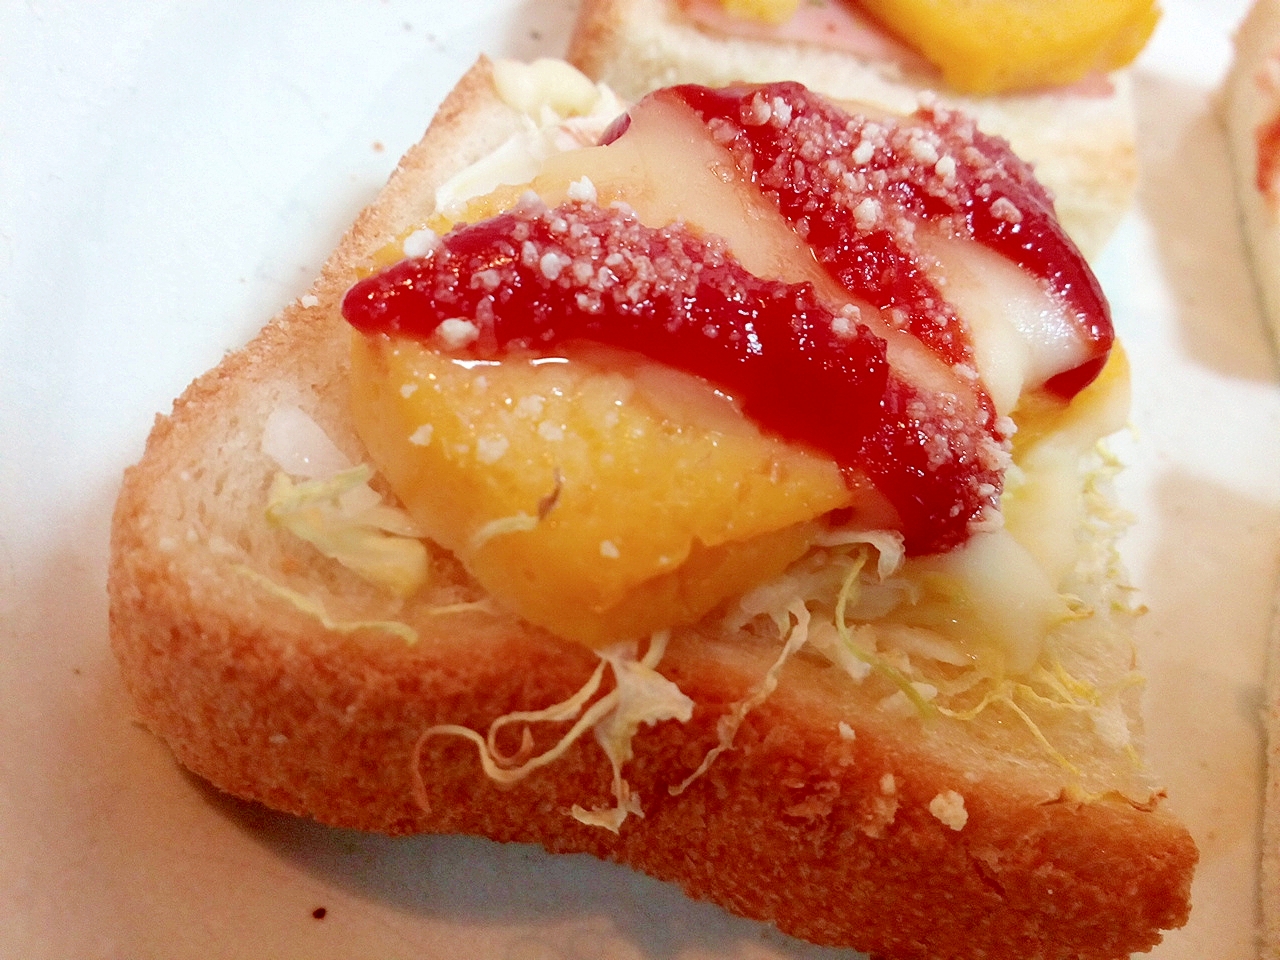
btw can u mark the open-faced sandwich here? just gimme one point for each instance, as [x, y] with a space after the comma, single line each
[1046, 75]
[1251, 110]
[712, 486]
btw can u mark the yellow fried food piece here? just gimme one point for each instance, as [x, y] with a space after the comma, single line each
[991, 46]
[601, 498]
[996, 46]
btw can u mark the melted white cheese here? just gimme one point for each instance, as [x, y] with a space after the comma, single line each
[563, 110]
[1007, 596]
[1021, 334]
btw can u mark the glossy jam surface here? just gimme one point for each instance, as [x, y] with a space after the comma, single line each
[856, 188]
[1267, 174]
[536, 278]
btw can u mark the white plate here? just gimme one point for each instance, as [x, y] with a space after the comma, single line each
[171, 174]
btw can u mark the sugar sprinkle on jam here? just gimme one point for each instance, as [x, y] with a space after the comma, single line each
[826, 168]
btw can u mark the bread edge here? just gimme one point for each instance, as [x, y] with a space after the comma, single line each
[180, 661]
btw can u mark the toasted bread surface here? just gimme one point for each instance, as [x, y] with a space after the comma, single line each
[1251, 113]
[822, 817]
[1080, 141]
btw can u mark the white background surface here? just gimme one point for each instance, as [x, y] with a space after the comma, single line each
[173, 173]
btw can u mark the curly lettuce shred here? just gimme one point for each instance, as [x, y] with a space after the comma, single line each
[785, 602]
[858, 603]
[727, 726]
[644, 697]
[640, 696]
[313, 608]
[319, 496]
[343, 518]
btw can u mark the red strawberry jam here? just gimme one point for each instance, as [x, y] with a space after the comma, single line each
[538, 279]
[855, 187]
[1268, 141]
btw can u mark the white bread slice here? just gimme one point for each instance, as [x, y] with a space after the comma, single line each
[832, 817]
[1251, 112]
[1079, 141]
[1251, 107]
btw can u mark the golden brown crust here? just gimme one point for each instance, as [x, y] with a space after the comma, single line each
[826, 834]
[1081, 144]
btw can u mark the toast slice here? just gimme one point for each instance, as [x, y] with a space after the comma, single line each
[838, 812]
[1079, 140]
[1251, 112]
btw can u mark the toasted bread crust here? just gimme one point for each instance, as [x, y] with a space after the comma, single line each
[1251, 113]
[1269, 888]
[1079, 141]
[827, 835]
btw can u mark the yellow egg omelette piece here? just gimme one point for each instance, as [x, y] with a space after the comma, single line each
[602, 498]
[998, 46]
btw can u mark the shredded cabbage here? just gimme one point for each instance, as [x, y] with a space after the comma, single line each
[640, 695]
[856, 611]
[313, 608]
[644, 697]
[348, 522]
[728, 725]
